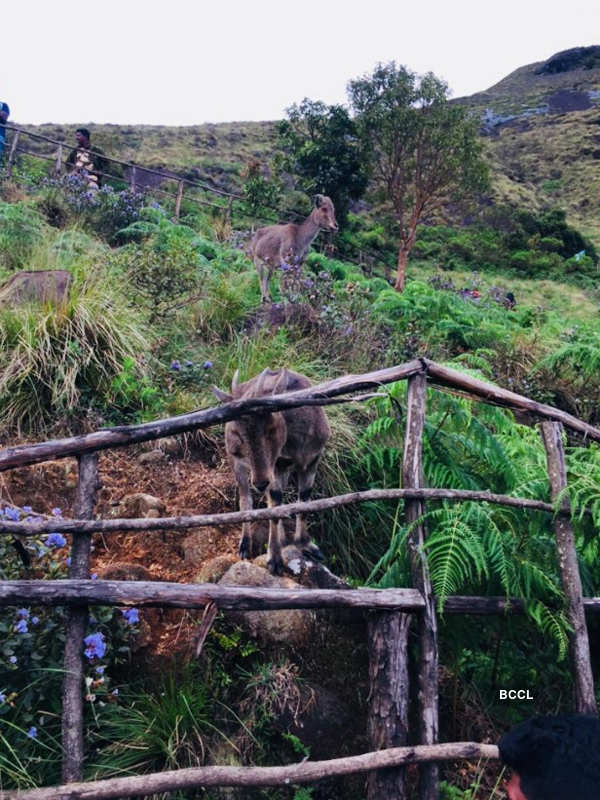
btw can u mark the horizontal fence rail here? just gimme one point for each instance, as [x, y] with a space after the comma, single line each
[321, 394]
[245, 598]
[276, 512]
[198, 595]
[306, 772]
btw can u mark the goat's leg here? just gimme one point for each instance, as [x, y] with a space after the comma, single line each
[263, 276]
[276, 536]
[242, 477]
[302, 540]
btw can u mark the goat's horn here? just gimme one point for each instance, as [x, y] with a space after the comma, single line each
[235, 381]
[261, 381]
[280, 382]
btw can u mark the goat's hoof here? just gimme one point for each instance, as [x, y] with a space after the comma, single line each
[275, 565]
[312, 551]
[244, 549]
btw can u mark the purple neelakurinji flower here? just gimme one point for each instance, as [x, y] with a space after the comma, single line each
[94, 576]
[132, 615]
[13, 659]
[68, 561]
[57, 512]
[175, 365]
[12, 514]
[115, 692]
[32, 732]
[207, 364]
[22, 613]
[189, 363]
[21, 626]
[35, 620]
[95, 645]
[55, 540]
[27, 509]
[100, 669]
[2, 698]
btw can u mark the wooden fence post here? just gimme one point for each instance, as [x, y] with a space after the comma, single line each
[11, 154]
[77, 617]
[412, 476]
[229, 208]
[178, 199]
[583, 678]
[387, 723]
[59, 164]
[132, 177]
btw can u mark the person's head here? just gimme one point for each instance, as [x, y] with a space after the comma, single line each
[553, 758]
[83, 137]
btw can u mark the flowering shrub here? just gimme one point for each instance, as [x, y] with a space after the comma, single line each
[31, 659]
[191, 374]
[105, 210]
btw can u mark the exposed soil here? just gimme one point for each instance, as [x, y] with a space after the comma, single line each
[185, 486]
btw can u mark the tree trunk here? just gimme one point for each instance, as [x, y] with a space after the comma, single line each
[406, 247]
[403, 255]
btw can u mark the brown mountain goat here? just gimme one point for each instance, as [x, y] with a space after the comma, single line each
[264, 449]
[282, 245]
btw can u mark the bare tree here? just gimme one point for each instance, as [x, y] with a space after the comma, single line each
[423, 149]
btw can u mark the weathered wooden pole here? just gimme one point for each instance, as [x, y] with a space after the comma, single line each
[132, 177]
[412, 476]
[583, 679]
[59, 164]
[77, 617]
[387, 722]
[11, 154]
[178, 199]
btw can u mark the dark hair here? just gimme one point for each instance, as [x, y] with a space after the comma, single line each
[84, 132]
[557, 758]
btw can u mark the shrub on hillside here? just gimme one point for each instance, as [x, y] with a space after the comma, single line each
[105, 211]
[31, 662]
[164, 273]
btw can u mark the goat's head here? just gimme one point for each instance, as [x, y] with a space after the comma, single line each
[324, 213]
[257, 439]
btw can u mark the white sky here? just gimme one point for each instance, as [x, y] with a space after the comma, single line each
[179, 62]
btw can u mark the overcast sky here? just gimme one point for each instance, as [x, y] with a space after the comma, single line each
[182, 63]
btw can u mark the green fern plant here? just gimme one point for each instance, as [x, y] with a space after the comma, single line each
[481, 548]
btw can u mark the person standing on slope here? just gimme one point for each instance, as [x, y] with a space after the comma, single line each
[87, 160]
[4, 113]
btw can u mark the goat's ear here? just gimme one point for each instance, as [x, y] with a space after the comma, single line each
[224, 397]
[318, 200]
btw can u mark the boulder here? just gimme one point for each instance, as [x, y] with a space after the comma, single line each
[36, 286]
[292, 627]
[213, 570]
[140, 505]
[151, 457]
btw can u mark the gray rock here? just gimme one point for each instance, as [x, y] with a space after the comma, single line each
[292, 627]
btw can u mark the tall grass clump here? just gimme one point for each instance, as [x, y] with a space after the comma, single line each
[58, 360]
[21, 230]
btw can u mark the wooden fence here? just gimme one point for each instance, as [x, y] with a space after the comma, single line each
[391, 609]
[139, 177]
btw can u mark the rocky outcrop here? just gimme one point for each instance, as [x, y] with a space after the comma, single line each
[37, 286]
[568, 60]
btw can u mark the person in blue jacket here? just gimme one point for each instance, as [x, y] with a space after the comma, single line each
[4, 112]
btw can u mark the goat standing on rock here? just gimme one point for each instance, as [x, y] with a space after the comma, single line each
[282, 245]
[264, 448]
